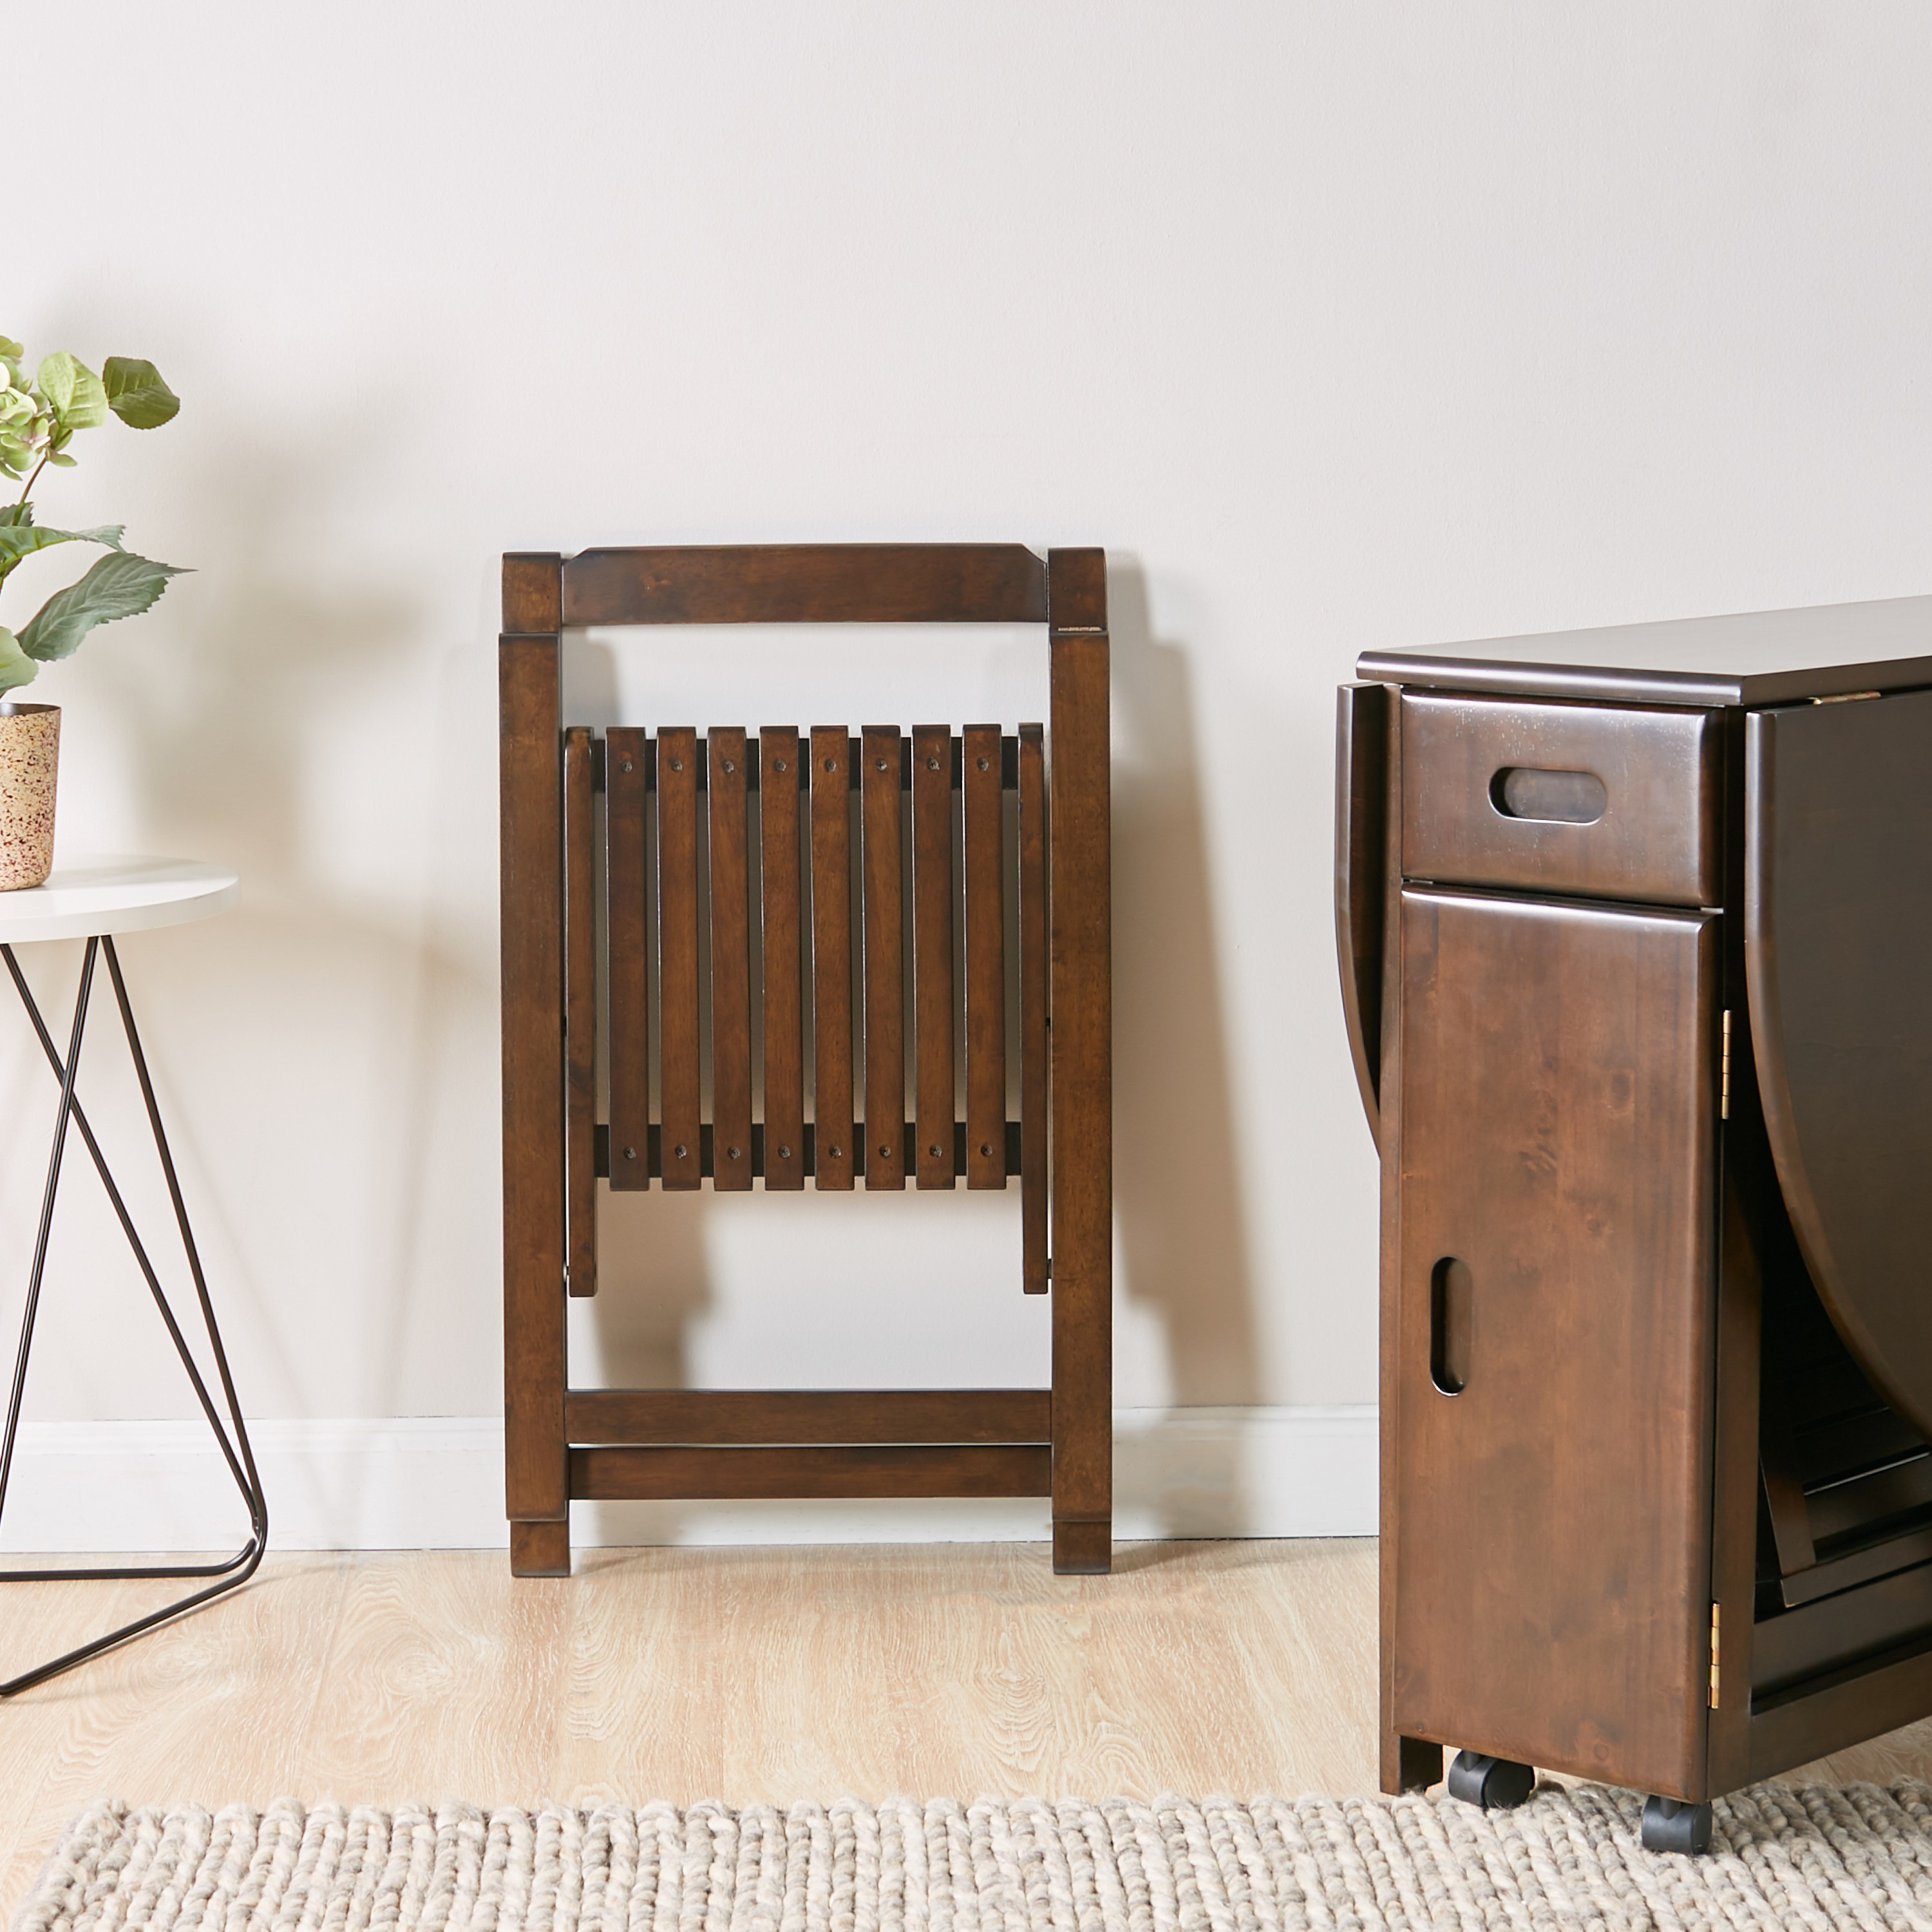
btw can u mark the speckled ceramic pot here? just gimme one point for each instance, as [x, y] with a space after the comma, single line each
[29, 751]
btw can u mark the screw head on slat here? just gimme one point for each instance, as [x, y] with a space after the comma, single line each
[932, 764]
[626, 765]
[677, 1152]
[730, 1153]
[986, 764]
[778, 764]
[677, 764]
[630, 1153]
[986, 1150]
[832, 764]
[730, 765]
[785, 1152]
[933, 1151]
[878, 764]
[836, 1155]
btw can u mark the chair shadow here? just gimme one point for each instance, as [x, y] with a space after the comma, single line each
[1177, 1201]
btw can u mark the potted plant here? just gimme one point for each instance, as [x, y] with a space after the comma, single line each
[40, 415]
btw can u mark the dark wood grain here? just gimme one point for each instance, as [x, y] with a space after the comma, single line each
[1404, 1763]
[1659, 839]
[806, 584]
[626, 787]
[778, 754]
[882, 859]
[952, 1470]
[531, 837]
[533, 584]
[1361, 804]
[731, 962]
[677, 957]
[982, 813]
[1557, 1509]
[747, 1416]
[832, 957]
[934, 1089]
[1036, 955]
[580, 1012]
[1750, 658]
[1838, 933]
[1081, 1099]
[1842, 1709]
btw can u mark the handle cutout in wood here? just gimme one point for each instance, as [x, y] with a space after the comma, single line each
[1451, 1322]
[1557, 797]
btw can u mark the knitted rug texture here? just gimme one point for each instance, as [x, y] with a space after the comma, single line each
[1815, 1858]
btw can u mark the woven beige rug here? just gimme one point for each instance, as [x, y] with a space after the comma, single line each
[1817, 1858]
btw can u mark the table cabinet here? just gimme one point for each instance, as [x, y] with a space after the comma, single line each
[1636, 927]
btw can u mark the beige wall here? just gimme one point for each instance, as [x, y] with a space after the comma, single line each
[1338, 326]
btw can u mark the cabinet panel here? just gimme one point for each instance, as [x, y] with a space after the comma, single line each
[1555, 1247]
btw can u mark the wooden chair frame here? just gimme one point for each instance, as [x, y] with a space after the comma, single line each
[562, 1443]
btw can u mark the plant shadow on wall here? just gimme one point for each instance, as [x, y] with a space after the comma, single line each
[1176, 1176]
[338, 1008]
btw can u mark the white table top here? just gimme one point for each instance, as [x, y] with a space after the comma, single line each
[86, 896]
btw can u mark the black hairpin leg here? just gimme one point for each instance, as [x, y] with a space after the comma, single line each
[235, 1449]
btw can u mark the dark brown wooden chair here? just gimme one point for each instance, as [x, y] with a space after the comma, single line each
[562, 1442]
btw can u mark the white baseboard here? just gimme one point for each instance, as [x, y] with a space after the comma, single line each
[436, 1483]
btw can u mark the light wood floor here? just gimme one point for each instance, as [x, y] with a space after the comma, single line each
[744, 1674]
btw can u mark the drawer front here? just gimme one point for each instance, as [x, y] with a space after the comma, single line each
[1599, 802]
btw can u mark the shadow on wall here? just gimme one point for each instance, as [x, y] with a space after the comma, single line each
[1177, 1178]
[1180, 1227]
[240, 741]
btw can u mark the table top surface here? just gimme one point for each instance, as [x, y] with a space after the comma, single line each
[85, 896]
[1758, 658]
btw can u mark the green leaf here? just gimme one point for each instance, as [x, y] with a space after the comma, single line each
[119, 585]
[136, 394]
[13, 514]
[11, 349]
[73, 391]
[15, 666]
[23, 538]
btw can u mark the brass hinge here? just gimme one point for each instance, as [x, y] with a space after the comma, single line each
[1714, 1656]
[1724, 1073]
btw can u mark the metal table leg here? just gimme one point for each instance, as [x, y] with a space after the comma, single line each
[235, 1449]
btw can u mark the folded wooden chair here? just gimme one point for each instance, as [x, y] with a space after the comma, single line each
[562, 1442]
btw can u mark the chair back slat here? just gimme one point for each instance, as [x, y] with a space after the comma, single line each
[934, 1084]
[730, 963]
[881, 859]
[627, 927]
[831, 777]
[806, 584]
[580, 1012]
[784, 1132]
[1034, 964]
[982, 812]
[677, 957]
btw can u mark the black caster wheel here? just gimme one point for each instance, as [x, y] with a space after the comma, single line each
[1670, 1824]
[1496, 1784]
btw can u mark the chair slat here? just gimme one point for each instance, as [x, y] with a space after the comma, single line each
[677, 955]
[730, 963]
[832, 957]
[627, 926]
[579, 1010]
[1033, 964]
[882, 859]
[806, 584]
[933, 1062]
[778, 887]
[982, 801]
[741, 1416]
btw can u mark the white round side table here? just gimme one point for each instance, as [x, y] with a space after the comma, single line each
[94, 899]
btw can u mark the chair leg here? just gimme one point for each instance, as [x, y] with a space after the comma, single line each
[540, 1549]
[1083, 1549]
